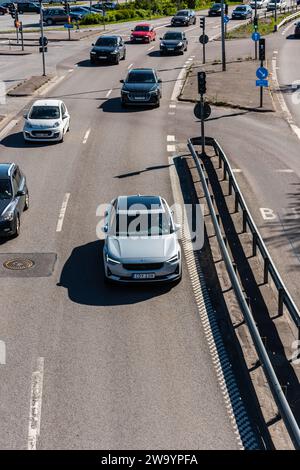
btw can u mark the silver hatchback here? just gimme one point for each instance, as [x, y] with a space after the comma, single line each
[141, 243]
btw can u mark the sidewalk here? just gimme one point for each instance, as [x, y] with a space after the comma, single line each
[235, 88]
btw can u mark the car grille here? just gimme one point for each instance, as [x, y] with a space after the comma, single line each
[143, 267]
[136, 95]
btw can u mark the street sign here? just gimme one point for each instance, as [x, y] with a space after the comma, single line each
[43, 39]
[226, 19]
[255, 36]
[197, 110]
[203, 39]
[68, 26]
[262, 83]
[262, 73]
[45, 49]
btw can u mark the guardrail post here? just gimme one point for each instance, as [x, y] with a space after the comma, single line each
[220, 160]
[218, 218]
[254, 243]
[244, 220]
[224, 172]
[280, 301]
[229, 186]
[236, 202]
[212, 199]
[266, 270]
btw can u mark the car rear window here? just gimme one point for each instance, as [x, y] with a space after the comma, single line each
[142, 28]
[140, 77]
[109, 42]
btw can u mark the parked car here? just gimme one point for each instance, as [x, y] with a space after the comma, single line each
[215, 10]
[58, 16]
[141, 243]
[109, 48]
[242, 12]
[3, 10]
[47, 121]
[173, 42]
[14, 198]
[297, 30]
[28, 7]
[276, 4]
[143, 32]
[82, 10]
[105, 5]
[259, 4]
[141, 87]
[184, 18]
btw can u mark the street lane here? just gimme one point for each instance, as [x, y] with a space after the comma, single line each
[124, 368]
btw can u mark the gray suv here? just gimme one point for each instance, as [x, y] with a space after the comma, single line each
[108, 48]
[184, 18]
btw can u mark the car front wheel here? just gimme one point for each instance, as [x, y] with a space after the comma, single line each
[26, 205]
[17, 231]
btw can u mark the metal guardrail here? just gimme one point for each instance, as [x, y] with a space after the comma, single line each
[288, 18]
[276, 390]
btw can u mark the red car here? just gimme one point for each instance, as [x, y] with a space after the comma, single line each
[143, 32]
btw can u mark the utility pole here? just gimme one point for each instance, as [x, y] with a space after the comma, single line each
[42, 37]
[255, 27]
[262, 58]
[202, 25]
[223, 37]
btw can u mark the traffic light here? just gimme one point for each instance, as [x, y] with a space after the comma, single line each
[255, 21]
[202, 83]
[226, 8]
[262, 49]
[202, 22]
[67, 9]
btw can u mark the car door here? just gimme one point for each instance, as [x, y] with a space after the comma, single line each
[121, 47]
[65, 117]
[16, 183]
[152, 32]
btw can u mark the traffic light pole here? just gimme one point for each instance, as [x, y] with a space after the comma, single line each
[202, 125]
[255, 27]
[223, 37]
[42, 37]
[203, 45]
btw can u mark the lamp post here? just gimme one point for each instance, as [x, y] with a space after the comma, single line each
[42, 37]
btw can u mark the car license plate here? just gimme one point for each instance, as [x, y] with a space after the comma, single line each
[171, 48]
[42, 134]
[140, 98]
[102, 57]
[144, 276]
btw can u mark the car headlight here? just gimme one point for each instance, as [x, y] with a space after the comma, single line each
[153, 92]
[56, 124]
[115, 51]
[173, 259]
[111, 260]
[126, 92]
[9, 216]
[93, 52]
[180, 44]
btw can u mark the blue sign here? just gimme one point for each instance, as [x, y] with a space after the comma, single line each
[68, 26]
[262, 83]
[226, 19]
[262, 73]
[256, 36]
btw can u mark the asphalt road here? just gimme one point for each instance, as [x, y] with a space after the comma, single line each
[120, 368]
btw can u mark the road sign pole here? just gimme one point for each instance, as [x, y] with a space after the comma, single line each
[261, 89]
[22, 38]
[203, 46]
[255, 27]
[42, 36]
[223, 37]
[202, 125]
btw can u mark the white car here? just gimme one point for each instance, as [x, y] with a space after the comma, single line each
[141, 243]
[259, 4]
[276, 4]
[47, 121]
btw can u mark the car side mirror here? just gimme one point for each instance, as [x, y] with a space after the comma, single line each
[159, 80]
[65, 116]
[21, 193]
[105, 228]
[25, 115]
[122, 81]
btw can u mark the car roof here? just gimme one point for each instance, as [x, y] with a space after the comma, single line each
[143, 24]
[50, 102]
[5, 169]
[111, 36]
[140, 69]
[125, 203]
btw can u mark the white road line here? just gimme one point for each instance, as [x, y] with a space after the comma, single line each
[62, 213]
[172, 105]
[150, 48]
[108, 93]
[236, 170]
[86, 136]
[178, 84]
[171, 148]
[275, 52]
[7, 128]
[70, 70]
[284, 170]
[170, 138]
[35, 404]
[171, 114]
[129, 66]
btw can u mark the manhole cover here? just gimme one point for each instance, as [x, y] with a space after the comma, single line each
[18, 264]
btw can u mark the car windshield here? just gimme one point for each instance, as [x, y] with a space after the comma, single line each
[182, 13]
[44, 112]
[141, 28]
[141, 77]
[5, 189]
[216, 5]
[149, 224]
[109, 42]
[172, 35]
[240, 8]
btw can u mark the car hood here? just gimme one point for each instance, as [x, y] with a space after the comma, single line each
[180, 18]
[4, 203]
[239, 12]
[171, 42]
[139, 86]
[142, 248]
[104, 48]
[215, 9]
[140, 33]
[42, 123]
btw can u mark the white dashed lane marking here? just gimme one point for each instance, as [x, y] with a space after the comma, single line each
[108, 93]
[35, 404]
[170, 138]
[62, 213]
[86, 136]
[151, 48]
[171, 148]
[129, 66]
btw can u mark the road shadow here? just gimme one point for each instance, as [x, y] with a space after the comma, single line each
[16, 140]
[87, 63]
[154, 54]
[292, 36]
[83, 276]
[135, 173]
[113, 105]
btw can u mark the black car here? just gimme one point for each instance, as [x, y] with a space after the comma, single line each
[109, 48]
[173, 42]
[29, 7]
[297, 30]
[141, 87]
[184, 18]
[105, 5]
[215, 10]
[14, 198]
